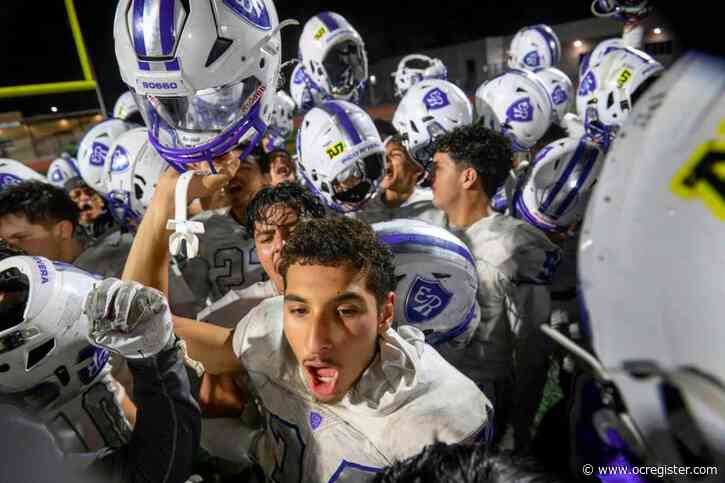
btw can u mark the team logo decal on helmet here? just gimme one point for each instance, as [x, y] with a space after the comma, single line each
[559, 96]
[425, 300]
[8, 180]
[253, 11]
[532, 59]
[99, 359]
[700, 176]
[436, 99]
[119, 160]
[98, 154]
[521, 110]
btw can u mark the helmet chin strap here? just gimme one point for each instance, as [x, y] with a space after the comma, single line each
[185, 230]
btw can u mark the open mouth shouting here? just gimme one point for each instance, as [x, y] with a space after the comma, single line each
[322, 379]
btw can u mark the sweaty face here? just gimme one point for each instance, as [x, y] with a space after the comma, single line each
[36, 240]
[332, 327]
[270, 236]
[401, 173]
[90, 204]
[447, 183]
[282, 168]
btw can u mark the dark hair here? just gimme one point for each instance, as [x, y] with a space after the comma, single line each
[336, 241]
[261, 157]
[459, 463]
[486, 151]
[384, 128]
[39, 202]
[292, 195]
[7, 250]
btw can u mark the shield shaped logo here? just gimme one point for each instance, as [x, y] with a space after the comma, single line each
[558, 96]
[426, 299]
[119, 160]
[253, 11]
[435, 99]
[521, 110]
[532, 59]
[98, 154]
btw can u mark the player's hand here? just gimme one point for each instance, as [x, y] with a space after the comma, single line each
[128, 318]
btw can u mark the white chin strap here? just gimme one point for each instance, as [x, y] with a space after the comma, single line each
[185, 230]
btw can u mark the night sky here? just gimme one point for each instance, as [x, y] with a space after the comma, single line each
[37, 45]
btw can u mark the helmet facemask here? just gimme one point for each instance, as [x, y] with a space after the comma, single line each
[344, 65]
[357, 183]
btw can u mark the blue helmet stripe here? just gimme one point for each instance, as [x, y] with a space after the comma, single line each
[594, 154]
[550, 42]
[329, 21]
[459, 329]
[139, 43]
[580, 149]
[397, 240]
[334, 109]
[167, 29]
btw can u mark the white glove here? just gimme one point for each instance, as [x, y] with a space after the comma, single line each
[128, 318]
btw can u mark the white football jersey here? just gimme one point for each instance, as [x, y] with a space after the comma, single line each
[227, 260]
[401, 404]
[515, 264]
[230, 309]
[419, 207]
[106, 256]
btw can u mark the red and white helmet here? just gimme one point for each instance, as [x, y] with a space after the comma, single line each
[201, 72]
[415, 68]
[14, 172]
[93, 151]
[428, 110]
[132, 172]
[516, 104]
[561, 91]
[534, 48]
[43, 331]
[333, 56]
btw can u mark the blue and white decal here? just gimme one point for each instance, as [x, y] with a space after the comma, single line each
[253, 11]
[425, 300]
[119, 160]
[435, 99]
[7, 179]
[532, 59]
[588, 84]
[99, 151]
[100, 358]
[559, 96]
[521, 110]
[43, 269]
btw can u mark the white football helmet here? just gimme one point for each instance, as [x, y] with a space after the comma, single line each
[415, 68]
[62, 169]
[126, 109]
[559, 183]
[437, 279]
[561, 91]
[610, 87]
[624, 10]
[132, 172]
[602, 49]
[14, 172]
[305, 95]
[93, 151]
[518, 105]
[534, 48]
[341, 156]
[201, 72]
[651, 264]
[334, 57]
[282, 111]
[428, 110]
[43, 332]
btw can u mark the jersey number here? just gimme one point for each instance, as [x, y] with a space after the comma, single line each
[227, 259]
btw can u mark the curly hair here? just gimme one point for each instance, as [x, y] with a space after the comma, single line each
[292, 195]
[39, 202]
[485, 150]
[336, 241]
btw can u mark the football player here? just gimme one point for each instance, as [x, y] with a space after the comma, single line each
[515, 262]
